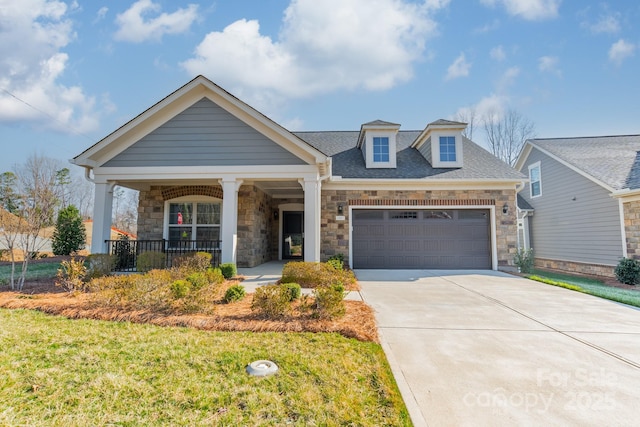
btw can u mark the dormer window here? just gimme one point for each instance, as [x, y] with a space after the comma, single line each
[381, 149]
[377, 141]
[441, 143]
[447, 148]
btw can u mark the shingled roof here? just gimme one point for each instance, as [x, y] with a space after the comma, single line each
[612, 160]
[348, 162]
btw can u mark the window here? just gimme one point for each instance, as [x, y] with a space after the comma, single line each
[447, 148]
[193, 221]
[381, 149]
[535, 185]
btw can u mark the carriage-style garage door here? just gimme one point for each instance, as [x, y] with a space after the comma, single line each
[426, 239]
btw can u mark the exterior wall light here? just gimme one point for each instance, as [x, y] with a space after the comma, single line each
[340, 209]
[505, 209]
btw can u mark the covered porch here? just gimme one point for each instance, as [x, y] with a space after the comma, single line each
[245, 221]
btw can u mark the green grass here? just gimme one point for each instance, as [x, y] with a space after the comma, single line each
[588, 286]
[41, 270]
[61, 372]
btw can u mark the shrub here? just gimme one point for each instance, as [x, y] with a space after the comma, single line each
[272, 300]
[71, 275]
[315, 274]
[330, 301]
[100, 265]
[524, 260]
[234, 293]
[124, 251]
[214, 276]
[228, 270]
[293, 289]
[628, 271]
[198, 279]
[150, 260]
[337, 261]
[69, 235]
[180, 288]
[198, 261]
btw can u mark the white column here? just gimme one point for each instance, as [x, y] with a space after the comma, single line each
[229, 232]
[102, 210]
[312, 220]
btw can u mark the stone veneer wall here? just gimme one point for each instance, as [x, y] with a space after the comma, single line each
[632, 228]
[571, 267]
[334, 235]
[150, 214]
[255, 226]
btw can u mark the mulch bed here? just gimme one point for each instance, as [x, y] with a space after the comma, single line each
[359, 321]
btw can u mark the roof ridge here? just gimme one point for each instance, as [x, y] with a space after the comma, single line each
[585, 137]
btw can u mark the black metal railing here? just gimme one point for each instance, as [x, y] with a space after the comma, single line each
[127, 251]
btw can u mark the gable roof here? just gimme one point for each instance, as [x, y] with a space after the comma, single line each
[178, 101]
[348, 162]
[611, 161]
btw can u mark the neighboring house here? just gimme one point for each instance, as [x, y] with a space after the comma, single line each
[115, 234]
[211, 168]
[583, 202]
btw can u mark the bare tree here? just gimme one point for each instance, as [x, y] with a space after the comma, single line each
[507, 134]
[468, 115]
[34, 188]
[125, 212]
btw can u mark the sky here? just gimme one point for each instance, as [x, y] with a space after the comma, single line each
[72, 72]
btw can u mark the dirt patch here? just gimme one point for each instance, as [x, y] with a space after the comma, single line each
[359, 321]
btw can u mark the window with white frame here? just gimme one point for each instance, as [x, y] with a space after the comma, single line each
[535, 182]
[448, 149]
[381, 149]
[189, 220]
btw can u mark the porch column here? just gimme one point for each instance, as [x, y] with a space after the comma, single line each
[229, 232]
[312, 220]
[102, 211]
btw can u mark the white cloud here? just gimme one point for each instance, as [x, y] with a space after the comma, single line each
[498, 53]
[531, 10]
[490, 108]
[102, 12]
[136, 25]
[322, 47]
[487, 28]
[606, 24]
[459, 68]
[30, 74]
[620, 51]
[549, 64]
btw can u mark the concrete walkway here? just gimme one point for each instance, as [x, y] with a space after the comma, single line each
[487, 348]
[271, 272]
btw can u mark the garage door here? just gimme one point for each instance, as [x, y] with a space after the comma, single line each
[426, 239]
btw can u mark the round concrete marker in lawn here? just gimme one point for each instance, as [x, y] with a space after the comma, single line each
[262, 368]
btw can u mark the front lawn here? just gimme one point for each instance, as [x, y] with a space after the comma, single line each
[35, 271]
[57, 371]
[588, 286]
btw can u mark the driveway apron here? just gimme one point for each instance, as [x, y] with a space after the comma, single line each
[488, 348]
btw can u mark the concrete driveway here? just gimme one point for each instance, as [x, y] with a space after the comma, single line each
[487, 348]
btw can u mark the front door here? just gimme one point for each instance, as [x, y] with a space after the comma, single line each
[292, 235]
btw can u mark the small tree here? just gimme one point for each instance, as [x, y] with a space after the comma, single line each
[69, 235]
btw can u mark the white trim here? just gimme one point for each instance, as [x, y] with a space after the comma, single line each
[391, 136]
[286, 207]
[534, 166]
[435, 150]
[339, 183]
[491, 208]
[188, 199]
[623, 231]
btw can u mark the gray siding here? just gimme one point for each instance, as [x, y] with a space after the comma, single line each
[425, 150]
[204, 135]
[586, 229]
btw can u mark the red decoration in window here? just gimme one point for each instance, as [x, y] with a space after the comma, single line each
[179, 218]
